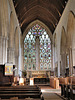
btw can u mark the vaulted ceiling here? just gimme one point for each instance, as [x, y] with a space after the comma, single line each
[47, 11]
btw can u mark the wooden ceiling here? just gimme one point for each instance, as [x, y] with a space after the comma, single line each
[47, 11]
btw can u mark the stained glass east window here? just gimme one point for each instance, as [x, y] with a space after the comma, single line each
[37, 49]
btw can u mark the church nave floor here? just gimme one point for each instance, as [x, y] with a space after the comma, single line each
[50, 93]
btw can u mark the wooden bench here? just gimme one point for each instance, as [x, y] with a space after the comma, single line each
[63, 82]
[21, 92]
[54, 83]
[72, 92]
[67, 87]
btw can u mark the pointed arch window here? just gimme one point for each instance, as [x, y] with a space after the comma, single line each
[37, 49]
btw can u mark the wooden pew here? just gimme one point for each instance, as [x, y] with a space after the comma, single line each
[54, 83]
[72, 92]
[63, 82]
[72, 87]
[67, 87]
[20, 91]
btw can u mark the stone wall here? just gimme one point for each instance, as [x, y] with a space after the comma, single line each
[9, 35]
[65, 40]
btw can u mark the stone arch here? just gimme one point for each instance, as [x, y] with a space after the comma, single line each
[70, 29]
[63, 41]
[73, 45]
[30, 26]
[40, 23]
[70, 39]
[63, 52]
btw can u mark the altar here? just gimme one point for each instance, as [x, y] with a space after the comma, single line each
[38, 74]
[39, 77]
[41, 81]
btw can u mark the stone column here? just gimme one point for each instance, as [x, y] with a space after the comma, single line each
[3, 50]
[63, 64]
[21, 55]
[5, 41]
[52, 57]
[58, 65]
[10, 58]
[73, 54]
[16, 63]
[70, 62]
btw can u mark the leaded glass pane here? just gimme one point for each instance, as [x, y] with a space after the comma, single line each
[25, 66]
[41, 46]
[45, 46]
[47, 36]
[29, 66]
[29, 33]
[27, 36]
[49, 66]
[34, 66]
[45, 33]
[41, 56]
[43, 50]
[25, 45]
[31, 37]
[43, 37]
[45, 40]
[41, 66]
[45, 65]
[49, 56]
[25, 40]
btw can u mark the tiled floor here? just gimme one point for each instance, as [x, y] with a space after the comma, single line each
[51, 96]
[50, 93]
